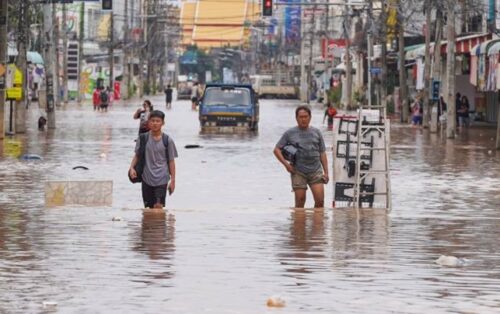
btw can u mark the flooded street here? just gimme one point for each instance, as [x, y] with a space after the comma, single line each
[229, 240]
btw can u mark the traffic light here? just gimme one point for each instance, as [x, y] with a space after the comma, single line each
[72, 55]
[267, 7]
[107, 4]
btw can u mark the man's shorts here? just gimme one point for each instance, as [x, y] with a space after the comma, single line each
[301, 180]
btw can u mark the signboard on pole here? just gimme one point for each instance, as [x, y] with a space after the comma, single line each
[332, 48]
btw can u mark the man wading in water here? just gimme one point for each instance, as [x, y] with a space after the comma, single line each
[310, 164]
[158, 152]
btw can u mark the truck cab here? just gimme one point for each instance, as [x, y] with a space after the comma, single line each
[229, 107]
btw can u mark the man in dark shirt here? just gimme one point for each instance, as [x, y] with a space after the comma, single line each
[168, 94]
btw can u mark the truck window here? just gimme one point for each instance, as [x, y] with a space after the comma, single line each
[231, 97]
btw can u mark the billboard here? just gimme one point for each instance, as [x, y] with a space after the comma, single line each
[292, 22]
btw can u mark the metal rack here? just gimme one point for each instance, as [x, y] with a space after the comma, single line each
[372, 119]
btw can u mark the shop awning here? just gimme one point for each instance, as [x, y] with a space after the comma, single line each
[414, 52]
[483, 48]
[494, 49]
[466, 43]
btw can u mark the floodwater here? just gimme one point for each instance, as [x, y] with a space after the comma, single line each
[229, 240]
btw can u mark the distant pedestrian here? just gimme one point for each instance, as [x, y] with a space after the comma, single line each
[463, 112]
[442, 107]
[142, 114]
[96, 99]
[194, 96]
[168, 95]
[309, 167]
[157, 151]
[458, 104]
[330, 113]
[416, 112]
[104, 96]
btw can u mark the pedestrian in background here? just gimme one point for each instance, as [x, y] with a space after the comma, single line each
[157, 151]
[104, 96]
[310, 165]
[168, 95]
[463, 112]
[96, 99]
[142, 114]
[330, 113]
[194, 96]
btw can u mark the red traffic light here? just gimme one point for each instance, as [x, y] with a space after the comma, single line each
[267, 7]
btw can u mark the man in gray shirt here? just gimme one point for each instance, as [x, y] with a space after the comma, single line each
[159, 162]
[310, 167]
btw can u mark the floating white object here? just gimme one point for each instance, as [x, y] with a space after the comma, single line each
[103, 155]
[452, 261]
[276, 301]
[490, 152]
[117, 218]
[49, 304]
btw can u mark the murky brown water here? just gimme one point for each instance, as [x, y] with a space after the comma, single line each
[231, 241]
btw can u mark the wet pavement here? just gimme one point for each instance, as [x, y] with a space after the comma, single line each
[230, 240]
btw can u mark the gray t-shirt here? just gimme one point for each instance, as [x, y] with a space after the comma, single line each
[156, 170]
[310, 146]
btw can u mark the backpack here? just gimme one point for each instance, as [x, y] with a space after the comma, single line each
[332, 111]
[139, 167]
[104, 96]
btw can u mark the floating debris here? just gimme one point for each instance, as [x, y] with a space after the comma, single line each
[49, 304]
[117, 218]
[80, 167]
[276, 302]
[30, 157]
[451, 261]
[103, 155]
[192, 146]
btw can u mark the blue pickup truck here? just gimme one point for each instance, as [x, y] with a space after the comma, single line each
[229, 107]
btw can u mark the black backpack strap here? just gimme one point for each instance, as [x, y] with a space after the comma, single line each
[164, 137]
[143, 139]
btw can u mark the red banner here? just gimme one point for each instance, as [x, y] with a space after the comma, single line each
[334, 48]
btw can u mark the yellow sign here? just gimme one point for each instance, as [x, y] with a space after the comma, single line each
[18, 77]
[12, 148]
[15, 93]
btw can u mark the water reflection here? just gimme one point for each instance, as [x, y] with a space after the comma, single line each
[305, 247]
[360, 235]
[156, 239]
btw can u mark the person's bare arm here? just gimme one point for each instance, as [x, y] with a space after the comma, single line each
[137, 114]
[324, 163]
[132, 171]
[279, 156]
[171, 169]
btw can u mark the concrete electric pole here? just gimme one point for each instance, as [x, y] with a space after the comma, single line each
[3, 62]
[49, 53]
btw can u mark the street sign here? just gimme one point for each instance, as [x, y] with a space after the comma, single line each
[376, 71]
[435, 90]
[72, 55]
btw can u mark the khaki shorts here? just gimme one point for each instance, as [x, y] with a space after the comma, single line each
[301, 180]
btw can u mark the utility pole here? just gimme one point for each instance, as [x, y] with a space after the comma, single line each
[65, 53]
[3, 57]
[81, 93]
[22, 40]
[427, 65]
[140, 51]
[125, 77]
[348, 64]
[111, 51]
[57, 97]
[451, 122]
[49, 70]
[403, 92]
[383, 57]
[436, 69]
[303, 78]
[369, 48]
[311, 43]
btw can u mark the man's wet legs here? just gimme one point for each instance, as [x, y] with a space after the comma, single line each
[318, 192]
[300, 197]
